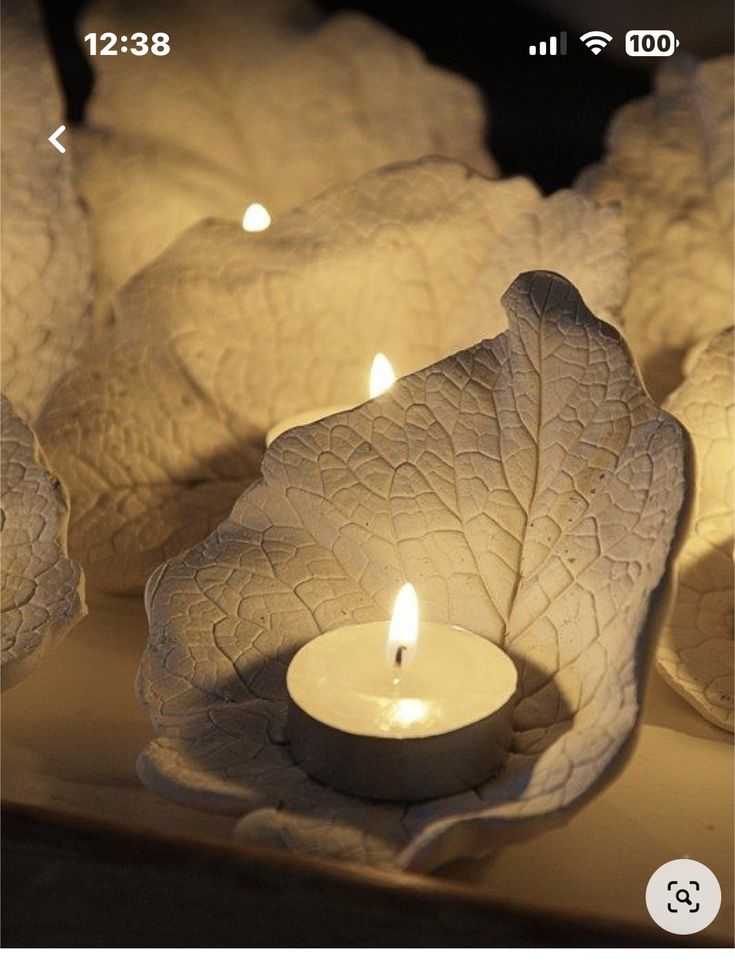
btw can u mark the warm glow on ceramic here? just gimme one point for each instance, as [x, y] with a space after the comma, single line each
[382, 376]
[404, 626]
[256, 218]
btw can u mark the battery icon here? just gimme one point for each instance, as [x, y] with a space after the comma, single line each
[644, 43]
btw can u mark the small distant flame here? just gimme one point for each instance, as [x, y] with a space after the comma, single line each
[382, 376]
[404, 628]
[255, 218]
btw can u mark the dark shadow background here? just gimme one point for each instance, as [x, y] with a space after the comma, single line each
[547, 114]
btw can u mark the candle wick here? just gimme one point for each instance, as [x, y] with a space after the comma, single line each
[398, 660]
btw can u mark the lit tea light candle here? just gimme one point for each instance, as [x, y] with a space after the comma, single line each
[382, 377]
[395, 712]
[256, 218]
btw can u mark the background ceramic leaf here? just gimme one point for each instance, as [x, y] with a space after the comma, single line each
[696, 651]
[227, 333]
[259, 101]
[46, 263]
[42, 590]
[527, 486]
[670, 162]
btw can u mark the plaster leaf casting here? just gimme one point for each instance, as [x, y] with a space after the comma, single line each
[696, 651]
[264, 102]
[227, 333]
[42, 590]
[527, 486]
[46, 263]
[670, 163]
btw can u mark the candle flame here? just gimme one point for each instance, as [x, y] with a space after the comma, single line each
[382, 375]
[404, 628]
[255, 218]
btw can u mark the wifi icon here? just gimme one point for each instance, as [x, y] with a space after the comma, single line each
[596, 41]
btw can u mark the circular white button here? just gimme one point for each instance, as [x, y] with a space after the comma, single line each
[683, 896]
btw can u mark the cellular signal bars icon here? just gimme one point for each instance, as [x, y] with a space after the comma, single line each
[562, 47]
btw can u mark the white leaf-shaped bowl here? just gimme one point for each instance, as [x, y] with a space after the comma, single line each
[227, 333]
[669, 163]
[42, 590]
[531, 491]
[46, 266]
[264, 101]
[696, 651]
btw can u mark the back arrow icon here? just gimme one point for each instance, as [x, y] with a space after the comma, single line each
[54, 140]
